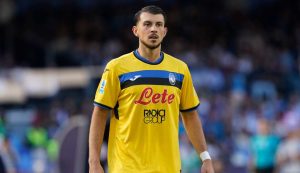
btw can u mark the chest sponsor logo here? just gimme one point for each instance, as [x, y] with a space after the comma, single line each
[154, 116]
[148, 96]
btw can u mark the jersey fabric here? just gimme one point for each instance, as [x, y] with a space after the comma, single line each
[146, 98]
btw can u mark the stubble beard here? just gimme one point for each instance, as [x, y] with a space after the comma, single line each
[150, 46]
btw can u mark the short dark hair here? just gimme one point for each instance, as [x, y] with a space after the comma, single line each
[152, 9]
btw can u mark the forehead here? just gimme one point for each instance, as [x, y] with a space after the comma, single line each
[151, 17]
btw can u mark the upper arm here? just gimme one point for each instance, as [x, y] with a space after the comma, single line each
[100, 110]
[109, 88]
[189, 113]
[189, 99]
[190, 116]
[100, 114]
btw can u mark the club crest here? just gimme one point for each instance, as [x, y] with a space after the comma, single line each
[172, 78]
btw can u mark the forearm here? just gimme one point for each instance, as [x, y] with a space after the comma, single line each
[194, 130]
[96, 134]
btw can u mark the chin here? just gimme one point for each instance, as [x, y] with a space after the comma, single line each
[151, 45]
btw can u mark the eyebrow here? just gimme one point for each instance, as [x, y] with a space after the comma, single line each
[148, 21]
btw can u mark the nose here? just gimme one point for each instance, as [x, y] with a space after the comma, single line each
[153, 28]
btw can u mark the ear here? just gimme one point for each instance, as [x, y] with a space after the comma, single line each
[166, 30]
[135, 31]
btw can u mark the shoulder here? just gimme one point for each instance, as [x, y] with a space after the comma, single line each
[119, 61]
[175, 60]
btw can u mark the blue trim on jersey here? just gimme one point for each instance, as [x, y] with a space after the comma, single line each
[102, 106]
[150, 74]
[145, 60]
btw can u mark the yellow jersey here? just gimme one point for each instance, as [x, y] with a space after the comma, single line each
[146, 99]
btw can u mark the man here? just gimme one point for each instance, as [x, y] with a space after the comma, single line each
[146, 89]
[264, 145]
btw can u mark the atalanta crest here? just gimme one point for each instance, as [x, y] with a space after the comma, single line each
[172, 78]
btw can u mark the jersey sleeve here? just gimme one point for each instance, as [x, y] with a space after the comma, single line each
[189, 98]
[108, 89]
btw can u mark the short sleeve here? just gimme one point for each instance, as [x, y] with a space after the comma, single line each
[108, 89]
[189, 98]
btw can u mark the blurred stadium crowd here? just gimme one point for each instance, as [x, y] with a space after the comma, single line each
[243, 55]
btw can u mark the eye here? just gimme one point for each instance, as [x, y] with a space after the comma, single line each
[147, 24]
[159, 24]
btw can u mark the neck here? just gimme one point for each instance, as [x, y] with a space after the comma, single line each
[151, 54]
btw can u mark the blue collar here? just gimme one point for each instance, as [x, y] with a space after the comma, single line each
[145, 60]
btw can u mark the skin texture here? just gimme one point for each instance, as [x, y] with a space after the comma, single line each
[150, 30]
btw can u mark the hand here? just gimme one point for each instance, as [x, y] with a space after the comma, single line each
[96, 168]
[207, 166]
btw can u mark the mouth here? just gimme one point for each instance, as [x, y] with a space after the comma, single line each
[153, 36]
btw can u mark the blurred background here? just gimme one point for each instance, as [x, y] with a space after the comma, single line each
[243, 56]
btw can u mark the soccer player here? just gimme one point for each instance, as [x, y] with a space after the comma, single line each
[146, 90]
